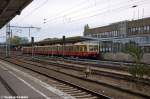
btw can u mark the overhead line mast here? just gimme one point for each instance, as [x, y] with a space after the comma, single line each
[27, 27]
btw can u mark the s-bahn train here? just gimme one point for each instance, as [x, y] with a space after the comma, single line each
[81, 50]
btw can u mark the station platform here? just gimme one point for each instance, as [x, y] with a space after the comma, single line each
[20, 85]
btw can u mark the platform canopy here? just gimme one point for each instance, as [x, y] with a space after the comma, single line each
[10, 8]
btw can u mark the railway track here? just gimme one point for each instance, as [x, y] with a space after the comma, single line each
[95, 63]
[109, 86]
[74, 90]
[103, 72]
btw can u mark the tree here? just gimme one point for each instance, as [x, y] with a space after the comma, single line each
[24, 40]
[15, 40]
[135, 51]
[138, 69]
[86, 27]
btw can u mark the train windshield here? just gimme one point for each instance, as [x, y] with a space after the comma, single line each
[93, 47]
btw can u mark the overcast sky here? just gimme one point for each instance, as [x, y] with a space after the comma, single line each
[68, 17]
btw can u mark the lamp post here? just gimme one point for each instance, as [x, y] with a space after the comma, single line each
[63, 45]
[8, 40]
[32, 42]
[134, 6]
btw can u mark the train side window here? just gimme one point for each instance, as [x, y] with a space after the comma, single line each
[77, 48]
[90, 48]
[74, 48]
[58, 48]
[95, 47]
[85, 48]
[81, 48]
[45, 48]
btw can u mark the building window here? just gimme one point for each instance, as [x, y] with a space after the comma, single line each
[129, 30]
[98, 35]
[133, 29]
[139, 29]
[148, 28]
[110, 33]
[142, 29]
[115, 33]
[145, 28]
[136, 29]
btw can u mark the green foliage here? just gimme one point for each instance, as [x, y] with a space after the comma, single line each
[133, 71]
[147, 70]
[86, 27]
[18, 40]
[138, 69]
[135, 51]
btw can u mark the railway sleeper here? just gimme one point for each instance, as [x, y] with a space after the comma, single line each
[68, 90]
[64, 88]
[61, 85]
[93, 97]
[77, 93]
[57, 83]
[82, 96]
[74, 91]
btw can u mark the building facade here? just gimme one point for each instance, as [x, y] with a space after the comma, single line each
[113, 37]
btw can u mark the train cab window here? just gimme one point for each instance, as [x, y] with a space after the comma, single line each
[80, 48]
[93, 48]
[85, 48]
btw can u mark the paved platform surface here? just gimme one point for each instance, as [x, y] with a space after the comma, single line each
[3, 90]
[24, 84]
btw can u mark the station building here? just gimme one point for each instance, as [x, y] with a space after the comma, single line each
[114, 36]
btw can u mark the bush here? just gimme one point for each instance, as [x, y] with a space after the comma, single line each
[139, 70]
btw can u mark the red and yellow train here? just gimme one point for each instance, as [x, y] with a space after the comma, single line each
[81, 50]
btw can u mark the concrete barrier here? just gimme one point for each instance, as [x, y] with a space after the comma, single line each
[125, 57]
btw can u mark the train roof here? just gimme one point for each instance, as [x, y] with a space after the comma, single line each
[68, 40]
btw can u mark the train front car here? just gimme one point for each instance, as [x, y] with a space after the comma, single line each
[93, 51]
[87, 50]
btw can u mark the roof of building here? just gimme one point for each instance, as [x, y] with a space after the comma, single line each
[10, 8]
[114, 26]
